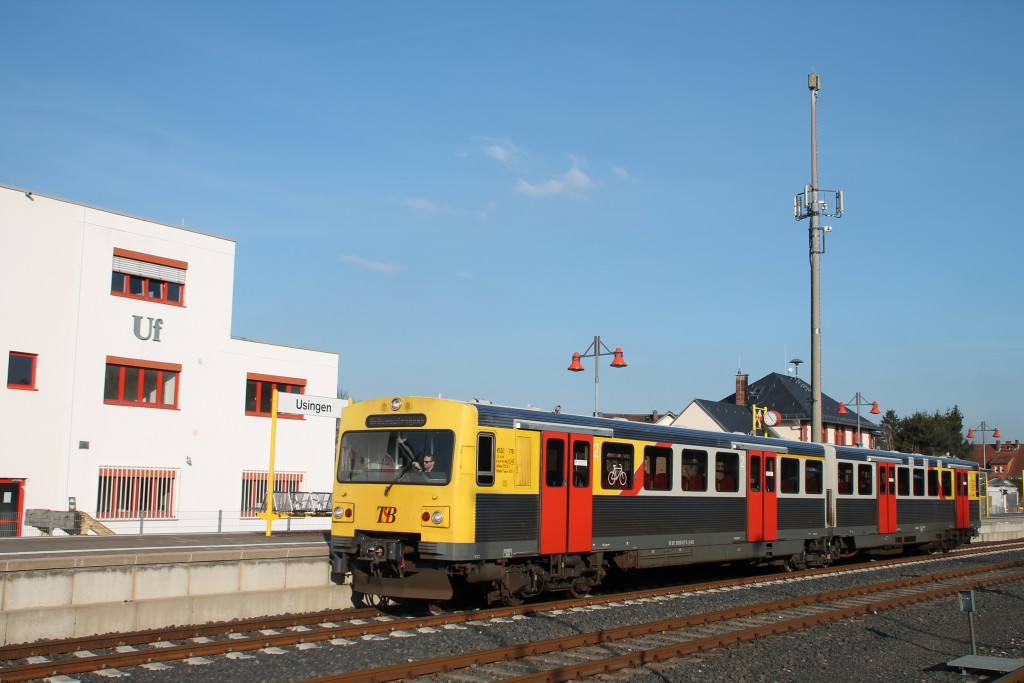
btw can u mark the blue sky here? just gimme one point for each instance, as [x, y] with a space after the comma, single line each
[455, 196]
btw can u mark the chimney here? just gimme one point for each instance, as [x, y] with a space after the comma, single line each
[741, 389]
[654, 416]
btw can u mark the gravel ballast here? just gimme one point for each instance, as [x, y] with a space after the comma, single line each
[908, 644]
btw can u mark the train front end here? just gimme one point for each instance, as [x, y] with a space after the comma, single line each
[396, 523]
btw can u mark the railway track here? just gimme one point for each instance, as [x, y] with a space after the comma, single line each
[606, 651]
[239, 637]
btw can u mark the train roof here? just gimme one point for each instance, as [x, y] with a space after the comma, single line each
[855, 453]
[508, 417]
[503, 416]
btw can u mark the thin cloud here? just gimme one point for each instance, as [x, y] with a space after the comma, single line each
[464, 274]
[573, 183]
[501, 150]
[386, 268]
[621, 173]
[428, 207]
[425, 207]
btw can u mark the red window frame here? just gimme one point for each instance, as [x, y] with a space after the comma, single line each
[131, 492]
[254, 488]
[165, 287]
[258, 401]
[31, 386]
[126, 368]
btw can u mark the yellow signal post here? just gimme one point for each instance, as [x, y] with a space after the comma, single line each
[269, 513]
[757, 415]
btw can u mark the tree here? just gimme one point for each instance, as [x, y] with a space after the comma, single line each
[890, 428]
[935, 434]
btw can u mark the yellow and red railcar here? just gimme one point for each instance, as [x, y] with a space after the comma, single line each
[435, 496]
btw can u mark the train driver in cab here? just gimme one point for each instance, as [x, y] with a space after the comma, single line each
[426, 464]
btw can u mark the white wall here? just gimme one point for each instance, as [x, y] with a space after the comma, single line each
[55, 272]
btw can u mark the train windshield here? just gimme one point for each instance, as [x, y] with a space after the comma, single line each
[402, 457]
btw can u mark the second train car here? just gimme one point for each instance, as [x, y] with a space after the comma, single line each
[435, 497]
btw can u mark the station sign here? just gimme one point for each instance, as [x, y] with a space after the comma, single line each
[303, 404]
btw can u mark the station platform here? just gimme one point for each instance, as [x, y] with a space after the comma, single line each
[71, 586]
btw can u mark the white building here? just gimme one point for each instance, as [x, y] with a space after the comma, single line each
[125, 389]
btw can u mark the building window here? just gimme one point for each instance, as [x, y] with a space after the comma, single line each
[259, 392]
[131, 382]
[254, 489]
[153, 278]
[132, 492]
[21, 370]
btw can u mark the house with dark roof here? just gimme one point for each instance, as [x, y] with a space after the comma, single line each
[790, 397]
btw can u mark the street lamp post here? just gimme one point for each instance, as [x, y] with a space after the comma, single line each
[594, 351]
[859, 401]
[983, 428]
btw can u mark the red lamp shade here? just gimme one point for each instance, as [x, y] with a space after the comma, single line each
[618, 362]
[970, 433]
[842, 408]
[874, 408]
[575, 366]
[996, 434]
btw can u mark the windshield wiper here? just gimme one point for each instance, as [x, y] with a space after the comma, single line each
[401, 474]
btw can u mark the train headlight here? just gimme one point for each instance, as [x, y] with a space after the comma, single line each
[396, 403]
[434, 517]
[345, 512]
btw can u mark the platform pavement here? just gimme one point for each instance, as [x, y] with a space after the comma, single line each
[62, 587]
[69, 586]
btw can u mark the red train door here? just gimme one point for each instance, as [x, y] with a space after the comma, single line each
[886, 498]
[762, 508]
[963, 501]
[566, 499]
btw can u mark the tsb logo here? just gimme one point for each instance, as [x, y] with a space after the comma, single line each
[386, 515]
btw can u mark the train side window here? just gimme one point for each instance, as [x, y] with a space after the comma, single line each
[657, 468]
[933, 483]
[845, 478]
[727, 470]
[918, 481]
[485, 459]
[946, 479]
[694, 472]
[789, 475]
[864, 477]
[554, 463]
[581, 464]
[813, 470]
[903, 481]
[616, 465]
[755, 473]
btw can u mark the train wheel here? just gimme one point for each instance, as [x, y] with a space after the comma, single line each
[371, 600]
[580, 589]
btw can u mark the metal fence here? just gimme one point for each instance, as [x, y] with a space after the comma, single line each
[214, 521]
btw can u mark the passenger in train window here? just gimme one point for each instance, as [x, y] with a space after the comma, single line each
[723, 480]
